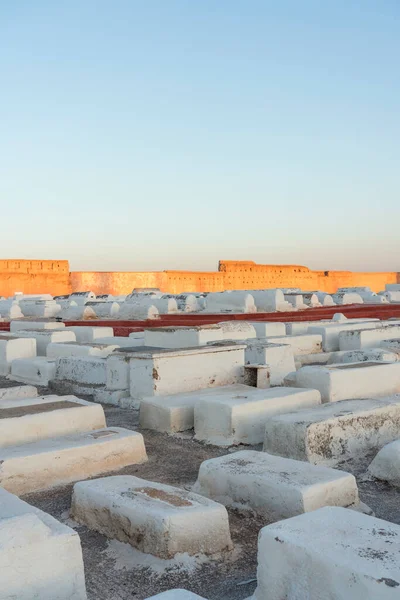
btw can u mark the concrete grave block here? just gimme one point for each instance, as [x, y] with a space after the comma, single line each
[25, 324]
[37, 371]
[237, 330]
[155, 518]
[330, 331]
[363, 338]
[98, 350]
[268, 328]
[182, 337]
[350, 381]
[58, 461]
[300, 344]
[44, 337]
[79, 374]
[386, 464]
[34, 552]
[334, 432]
[12, 348]
[121, 342]
[238, 415]
[273, 487]
[85, 334]
[332, 553]
[279, 358]
[26, 420]
[158, 372]
[12, 392]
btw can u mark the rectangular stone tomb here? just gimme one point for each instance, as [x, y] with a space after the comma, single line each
[386, 464]
[28, 420]
[12, 348]
[273, 487]
[39, 557]
[44, 337]
[182, 337]
[306, 343]
[279, 358]
[57, 461]
[25, 324]
[367, 338]
[238, 416]
[97, 350]
[170, 414]
[159, 372]
[85, 334]
[351, 380]
[332, 553]
[79, 374]
[154, 518]
[12, 392]
[38, 371]
[268, 328]
[330, 332]
[332, 433]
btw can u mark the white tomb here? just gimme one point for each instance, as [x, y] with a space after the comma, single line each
[238, 415]
[40, 557]
[26, 420]
[334, 432]
[44, 337]
[330, 331]
[12, 392]
[58, 461]
[155, 518]
[331, 553]
[12, 348]
[158, 372]
[26, 324]
[85, 334]
[279, 358]
[237, 301]
[273, 487]
[79, 374]
[386, 464]
[361, 338]
[182, 337]
[301, 344]
[36, 371]
[97, 349]
[349, 381]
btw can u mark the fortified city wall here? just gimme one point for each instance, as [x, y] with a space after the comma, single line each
[54, 277]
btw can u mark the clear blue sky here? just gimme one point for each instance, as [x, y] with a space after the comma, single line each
[159, 134]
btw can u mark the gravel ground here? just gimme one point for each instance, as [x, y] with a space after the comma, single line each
[115, 571]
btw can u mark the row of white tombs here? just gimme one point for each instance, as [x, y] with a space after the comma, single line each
[311, 397]
[150, 304]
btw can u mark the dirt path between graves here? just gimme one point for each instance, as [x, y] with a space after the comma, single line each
[114, 571]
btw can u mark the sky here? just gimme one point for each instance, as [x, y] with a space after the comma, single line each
[169, 134]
